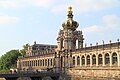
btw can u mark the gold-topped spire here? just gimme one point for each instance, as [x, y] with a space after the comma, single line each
[70, 15]
[70, 9]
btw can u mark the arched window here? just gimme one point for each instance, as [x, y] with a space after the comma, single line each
[93, 59]
[73, 60]
[43, 62]
[99, 59]
[114, 58]
[40, 62]
[32, 63]
[83, 60]
[36, 63]
[28, 63]
[88, 59]
[23, 63]
[78, 60]
[51, 62]
[48, 62]
[107, 59]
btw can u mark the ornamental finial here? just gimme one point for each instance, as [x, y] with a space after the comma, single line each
[70, 9]
[70, 15]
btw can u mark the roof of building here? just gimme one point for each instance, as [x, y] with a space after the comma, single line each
[110, 45]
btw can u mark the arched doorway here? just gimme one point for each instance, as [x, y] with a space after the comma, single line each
[74, 60]
[93, 59]
[88, 60]
[100, 59]
[114, 59]
[107, 59]
[83, 60]
[78, 60]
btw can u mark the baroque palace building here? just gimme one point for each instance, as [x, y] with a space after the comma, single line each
[70, 55]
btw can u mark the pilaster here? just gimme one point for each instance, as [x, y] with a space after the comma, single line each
[75, 60]
[118, 58]
[103, 56]
[90, 60]
[80, 61]
[110, 59]
[85, 61]
[96, 59]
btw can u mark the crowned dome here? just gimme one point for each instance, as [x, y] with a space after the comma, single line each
[70, 23]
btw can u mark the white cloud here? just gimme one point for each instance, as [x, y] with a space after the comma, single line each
[89, 5]
[110, 22]
[8, 20]
[94, 5]
[59, 8]
[10, 4]
[23, 3]
[39, 3]
[93, 28]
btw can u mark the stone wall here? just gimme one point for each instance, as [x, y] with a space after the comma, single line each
[112, 73]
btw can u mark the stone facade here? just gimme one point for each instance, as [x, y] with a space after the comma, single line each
[71, 57]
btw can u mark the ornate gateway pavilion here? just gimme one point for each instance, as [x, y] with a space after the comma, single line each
[70, 56]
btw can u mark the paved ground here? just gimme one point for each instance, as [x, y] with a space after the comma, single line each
[2, 79]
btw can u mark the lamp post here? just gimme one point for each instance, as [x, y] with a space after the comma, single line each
[110, 45]
[91, 46]
[85, 47]
[103, 45]
[97, 46]
[118, 45]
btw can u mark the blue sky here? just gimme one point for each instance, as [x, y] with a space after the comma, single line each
[26, 21]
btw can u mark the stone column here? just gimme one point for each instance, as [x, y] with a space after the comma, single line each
[78, 44]
[103, 56]
[21, 64]
[85, 61]
[75, 60]
[118, 58]
[110, 59]
[80, 61]
[90, 60]
[96, 59]
[18, 63]
[38, 62]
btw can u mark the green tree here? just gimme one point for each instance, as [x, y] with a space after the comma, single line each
[9, 59]
[23, 51]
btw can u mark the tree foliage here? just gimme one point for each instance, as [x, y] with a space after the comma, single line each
[25, 47]
[9, 59]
